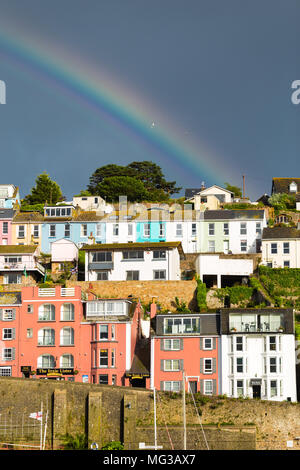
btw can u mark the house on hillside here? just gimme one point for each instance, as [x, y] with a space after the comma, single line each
[285, 185]
[281, 247]
[6, 217]
[27, 228]
[63, 252]
[208, 198]
[19, 264]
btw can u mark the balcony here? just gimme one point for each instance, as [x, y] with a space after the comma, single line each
[29, 266]
[101, 265]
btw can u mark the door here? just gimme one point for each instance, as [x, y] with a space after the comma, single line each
[193, 386]
[226, 246]
[256, 391]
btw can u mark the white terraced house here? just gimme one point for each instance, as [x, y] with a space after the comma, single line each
[281, 247]
[258, 354]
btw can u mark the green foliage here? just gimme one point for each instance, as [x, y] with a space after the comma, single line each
[201, 295]
[113, 445]
[283, 201]
[32, 207]
[234, 189]
[181, 306]
[238, 295]
[44, 191]
[77, 442]
[283, 285]
[113, 187]
[146, 174]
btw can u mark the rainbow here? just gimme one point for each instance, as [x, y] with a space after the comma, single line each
[97, 90]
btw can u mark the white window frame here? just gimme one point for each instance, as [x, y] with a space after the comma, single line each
[83, 230]
[169, 344]
[21, 231]
[173, 365]
[211, 344]
[147, 230]
[211, 229]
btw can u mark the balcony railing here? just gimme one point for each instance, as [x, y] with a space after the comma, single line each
[67, 291]
[47, 292]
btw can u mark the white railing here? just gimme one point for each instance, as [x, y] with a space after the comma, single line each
[50, 292]
[67, 291]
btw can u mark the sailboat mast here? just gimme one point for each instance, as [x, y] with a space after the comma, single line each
[184, 412]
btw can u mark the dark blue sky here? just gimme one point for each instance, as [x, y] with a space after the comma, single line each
[218, 71]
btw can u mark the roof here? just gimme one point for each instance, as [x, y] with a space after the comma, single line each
[141, 360]
[6, 213]
[28, 217]
[190, 192]
[280, 232]
[10, 298]
[12, 249]
[128, 246]
[281, 185]
[224, 214]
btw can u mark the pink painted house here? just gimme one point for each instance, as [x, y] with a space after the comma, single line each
[185, 347]
[10, 308]
[6, 217]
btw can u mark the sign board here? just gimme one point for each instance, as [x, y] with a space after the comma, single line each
[255, 382]
[85, 378]
[49, 372]
[25, 368]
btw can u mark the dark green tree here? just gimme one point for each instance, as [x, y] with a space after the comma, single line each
[234, 189]
[44, 191]
[113, 187]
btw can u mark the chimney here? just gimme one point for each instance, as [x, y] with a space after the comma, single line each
[91, 239]
[153, 309]
[202, 185]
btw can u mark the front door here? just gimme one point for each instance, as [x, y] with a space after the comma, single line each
[193, 386]
[256, 391]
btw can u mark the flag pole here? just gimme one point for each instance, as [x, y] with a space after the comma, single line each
[41, 433]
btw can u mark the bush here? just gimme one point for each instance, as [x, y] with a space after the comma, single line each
[113, 445]
[201, 295]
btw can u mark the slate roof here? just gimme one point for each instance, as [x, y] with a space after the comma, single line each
[225, 214]
[28, 217]
[280, 232]
[281, 185]
[6, 213]
[190, 192]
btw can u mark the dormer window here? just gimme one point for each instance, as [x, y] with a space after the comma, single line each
[58, 211]
[293, 187]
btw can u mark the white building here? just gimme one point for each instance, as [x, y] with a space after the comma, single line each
[210, 198]
[217, 269]
[133, 261]
[258, 353]
[281, 247]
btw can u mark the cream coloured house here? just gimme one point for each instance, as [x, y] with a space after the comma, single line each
[281, 247]
[209, 198]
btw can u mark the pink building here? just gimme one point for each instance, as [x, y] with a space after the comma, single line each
[6, 216]
[185, 345]
[53, 333]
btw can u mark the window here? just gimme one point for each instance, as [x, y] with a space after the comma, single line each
[103, 332]
[208, 387]
[272, 343]
[159, 275]
[273, 388]
[8, 314]
[115, 230]
[103, 379]
[274, 248]
[114, 379]
[239, 364]
[13, 259]
[162, 230]
[67, 230]
[211, 246]
[243, 245]
[178, 230]
[5, 371]
[52, 230]
[113, 358]
[240, 388]
[226, 228]
[67, 336]
[36, 231]
[243, 228]
[239, 343]
[133, 254]
[101, 256]
[29, 308]
[208, 366]
[46, 361]
[159, 254]
[102, 276]
[171, 365]
[258, 228]
[286, 264]
[184, 325]
[67, 312]
[98, 230]
[29, 333]
[146, 230]
[83, 230]
[211, 229]
[21, 231]
[273, 365]
[286, 248]
[171, 344]
[5, 228]
[207, 343]
[46, 312]
[113, 332]
[172, 386]
[46, 337]
[130, 230]
[132, 275]
[67, 361]
[12, 278]
[103, 358]
[8, 354]
[194, 230]
[7, 333]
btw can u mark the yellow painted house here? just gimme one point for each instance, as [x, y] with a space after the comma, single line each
[27, 228]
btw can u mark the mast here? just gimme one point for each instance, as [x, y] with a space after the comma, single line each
[184, 412]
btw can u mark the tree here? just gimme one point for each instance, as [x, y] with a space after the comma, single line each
[45, 191]
[113, 187]
[234, 189]
[282, 201]
[147, 172]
